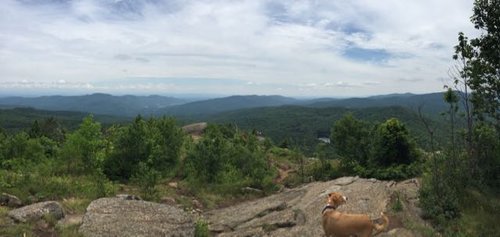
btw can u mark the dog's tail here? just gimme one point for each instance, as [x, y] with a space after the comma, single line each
[381, 227]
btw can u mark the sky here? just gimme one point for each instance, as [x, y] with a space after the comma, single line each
[316, 48]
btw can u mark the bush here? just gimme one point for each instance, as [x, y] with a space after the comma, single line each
[228, 164]
[440, 191]
[146, 178]
[201, 229]
[33, 186]
[156, 141]
[392, 145]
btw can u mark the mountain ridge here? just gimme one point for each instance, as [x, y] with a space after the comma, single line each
[156, 105]
[98, 103]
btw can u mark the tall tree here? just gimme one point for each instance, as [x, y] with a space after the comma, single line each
[461, 75]
[484, 68]
[83, 150]
[392, 144]
[129, 148]
[350, 138]
[480, 58]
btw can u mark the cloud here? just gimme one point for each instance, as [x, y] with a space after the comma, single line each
[59, 84]
[344, 84]
[261, 41]
[410, 79]
[371, 83]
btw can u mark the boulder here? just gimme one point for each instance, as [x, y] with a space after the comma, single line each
[36, 211]
[195, 129]
[120, 217]
[10, 200]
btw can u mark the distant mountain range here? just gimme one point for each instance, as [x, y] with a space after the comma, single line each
[127, 105]
[432, 103]
[213, 106]
[130, 105]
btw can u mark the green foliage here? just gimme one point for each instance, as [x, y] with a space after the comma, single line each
[52, 129]
[392, 144]
[20, 119]
[83, 151]
[323, 169]
[229, 163]
[68, 231]
[350, 137]
[301, 126]
[440, 191]
[445, 195]
[487, 157]
[480, 214]
[156, 142]
[19, 151]
[146, 178]
[35, 185]
[397, 205]
[392, 172]
[485, 65]
[387, 152]
[201, 229]
[167, 140]
[208, 157]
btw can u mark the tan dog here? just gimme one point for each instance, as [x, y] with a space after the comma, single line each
[338, 224]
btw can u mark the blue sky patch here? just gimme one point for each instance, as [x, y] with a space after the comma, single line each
[370, 55]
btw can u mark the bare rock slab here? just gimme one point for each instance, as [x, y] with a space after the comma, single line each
[119, 217]
[36, 211]
[297, 212]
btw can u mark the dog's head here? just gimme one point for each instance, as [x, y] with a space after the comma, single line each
[336, 199]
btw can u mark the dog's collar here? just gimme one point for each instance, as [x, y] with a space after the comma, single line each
[328, 207]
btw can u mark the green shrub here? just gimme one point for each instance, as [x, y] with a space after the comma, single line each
[146, 178]
[40, 187]
[156, 141]
[397, 205]
[440, 191]
[228, 164]
[201, 229]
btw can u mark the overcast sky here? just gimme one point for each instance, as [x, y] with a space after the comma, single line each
[294, 48]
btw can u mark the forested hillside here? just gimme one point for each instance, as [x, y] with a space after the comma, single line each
[431, 104]
[302, 126]
[18, 119]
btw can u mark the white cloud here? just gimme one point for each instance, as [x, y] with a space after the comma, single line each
[263, 42]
